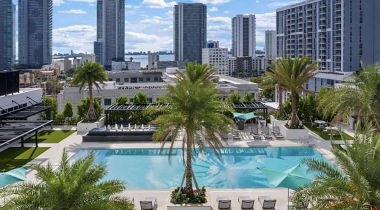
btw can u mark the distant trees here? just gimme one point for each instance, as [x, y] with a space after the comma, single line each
[53, 104]
[233, 97]
[84, 105]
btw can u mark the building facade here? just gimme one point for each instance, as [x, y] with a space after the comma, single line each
[216, 57]
[110, 31]
[339, 34]
[153, 59]
[244, 36]
[6, 34]
[270, 44]
[35, 21]
[190, 31]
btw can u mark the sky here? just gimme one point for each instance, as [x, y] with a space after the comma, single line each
[149, 23]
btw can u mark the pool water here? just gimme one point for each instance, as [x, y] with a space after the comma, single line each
[236, 168]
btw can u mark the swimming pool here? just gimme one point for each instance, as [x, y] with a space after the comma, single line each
[237, 167]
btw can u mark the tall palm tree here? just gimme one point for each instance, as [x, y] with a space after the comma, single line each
[198, 112]
[354, 184]
[360, 96]
[292, 74]
[72, 186]
[90, 74]
[269, 81]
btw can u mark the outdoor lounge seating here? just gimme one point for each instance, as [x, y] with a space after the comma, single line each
[224, 203]
[235, 135]
[277, 133]
[266, 133]
[267, 203]
[255, 133]
[149, 203]
[246, 203]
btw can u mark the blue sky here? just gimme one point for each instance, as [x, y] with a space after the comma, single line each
[149, 23]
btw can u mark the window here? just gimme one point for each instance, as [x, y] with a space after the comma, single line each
[107, 101]
[141, 79]
[126, 79]
[117, 79]
[148, 79]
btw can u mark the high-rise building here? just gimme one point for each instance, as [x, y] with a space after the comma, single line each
[339, 34]
[110, 31]
[35, 32]
[270, 44]
[190, 31]
[216, 57]
[6, 34]
[14, 33]
[244, 36]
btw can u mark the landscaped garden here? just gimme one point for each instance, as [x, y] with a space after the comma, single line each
[16, 157]
[51, 136]
[339, 135]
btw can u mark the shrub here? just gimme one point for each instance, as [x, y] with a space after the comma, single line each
[183, 198]
[59, 119]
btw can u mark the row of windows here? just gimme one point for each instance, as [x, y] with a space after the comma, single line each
[135, 79]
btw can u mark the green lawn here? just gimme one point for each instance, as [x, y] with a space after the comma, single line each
[16, 157]
[326, 136]
[51, 136]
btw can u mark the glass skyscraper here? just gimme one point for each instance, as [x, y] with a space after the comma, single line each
[6, 34]
[110, 43]
[35, 32]
[190, 31]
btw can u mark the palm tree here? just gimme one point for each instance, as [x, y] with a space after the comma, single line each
[359, 96]
[292, 74]
[354, 184]
[197, 112]
[72, 186]
[91, 74]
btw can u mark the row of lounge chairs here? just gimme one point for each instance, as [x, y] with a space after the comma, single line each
[265, 133]
[246, 203]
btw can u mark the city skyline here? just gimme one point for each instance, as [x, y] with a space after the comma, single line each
[151, 21]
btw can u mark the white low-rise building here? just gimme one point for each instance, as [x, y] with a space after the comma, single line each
[153, 89]
[216, 57]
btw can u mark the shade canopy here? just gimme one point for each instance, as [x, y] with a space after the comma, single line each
[292, 178]
[12, 176]
[244, 116]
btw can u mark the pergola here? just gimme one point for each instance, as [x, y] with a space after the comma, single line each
[254, 106]
[14, 125]
[14, 130]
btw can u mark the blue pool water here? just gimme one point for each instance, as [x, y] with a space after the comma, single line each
[237, 167]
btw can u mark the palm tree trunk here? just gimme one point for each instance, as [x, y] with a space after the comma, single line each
[294, 122]
[189, 169]
[280, 110]
[91, 115]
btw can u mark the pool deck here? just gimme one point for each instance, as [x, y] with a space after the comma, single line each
[74, 142]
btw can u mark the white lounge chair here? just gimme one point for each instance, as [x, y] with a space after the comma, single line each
[267, 203]
[224, 203]
[149, 203]
[246, 203]
[266, 133]
[277, 132]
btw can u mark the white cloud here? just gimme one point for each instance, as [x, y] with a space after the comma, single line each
[58, 2]
[156, 20]
[73, 11]
[169, 13]
[225, 20]
[158, 3]
[85, 1]
[266, 20]
[213, 9]
[226, 12]
[278, 4]
[145, 42]
[76, 37]
[212, 1]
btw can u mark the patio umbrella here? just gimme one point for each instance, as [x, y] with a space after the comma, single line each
[244, 116]
[292, 178]
[12, 176]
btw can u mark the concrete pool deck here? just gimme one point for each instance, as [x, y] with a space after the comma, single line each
[74, 142]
